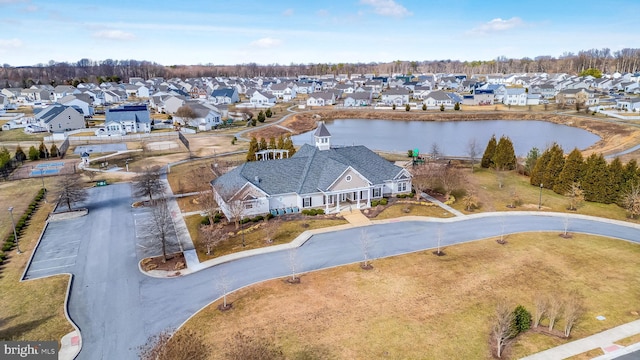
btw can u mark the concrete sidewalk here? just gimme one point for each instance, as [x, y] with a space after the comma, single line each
[441, 204]
[604, 340]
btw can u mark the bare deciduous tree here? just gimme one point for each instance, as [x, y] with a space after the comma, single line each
[541, 304]
[473, 149]
[70, 190]
[148, 183]
[365, 246]
[186, 114]
[502, 331]
[554, 309]
[212, 235]
[292, 256]
[573, 310]
[183, 345]
[237, 211]
[223, 283]
[631, 200]
[470, 200]
[208, 204]
[439, 233]
[161, 224]
[565, 224]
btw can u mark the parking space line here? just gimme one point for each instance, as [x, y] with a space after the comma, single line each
[54, 259]
[50, 268]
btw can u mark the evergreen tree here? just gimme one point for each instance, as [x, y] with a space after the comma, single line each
[442, 107]
[253, 149]
[263, 144]
[272, 145]
[456, 106]
[20, 155]
[42, 150]
[530, 161]
[407, 107]
[54, 150]
[504, 157]
[554, 167]
[268, 113]
[595, 178]
[630, 178]
[540, 168]
[424, 107]
[615, 180]
[288, 145]
[261, 116]
[5, 157]
[571, 172]
[487, 157]
[34, 154]
[280, 144]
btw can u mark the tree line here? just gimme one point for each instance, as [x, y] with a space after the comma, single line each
[86, 70]
[283, 143]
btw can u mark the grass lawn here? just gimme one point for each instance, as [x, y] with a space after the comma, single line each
[280, 231]
[424, 306]
[31, 310]
[493, 198]
[398, 210]
[20, 135]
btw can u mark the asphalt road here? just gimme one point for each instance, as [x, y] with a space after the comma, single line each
[117, 308]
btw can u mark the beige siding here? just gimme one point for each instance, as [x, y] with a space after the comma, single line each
[343, 184]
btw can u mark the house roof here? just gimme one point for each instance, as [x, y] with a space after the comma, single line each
[439, 96]
[137, 113]
[223, 92]
[310, 170]
[322, 130]
[51, 112]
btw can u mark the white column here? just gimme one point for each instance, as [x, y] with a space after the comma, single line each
[326, 203]
[338, 202]
[369, 197]
[358, 199]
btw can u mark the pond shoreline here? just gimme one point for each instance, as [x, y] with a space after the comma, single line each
[614, 137]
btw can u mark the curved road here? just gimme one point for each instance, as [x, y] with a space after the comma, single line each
[116, 307]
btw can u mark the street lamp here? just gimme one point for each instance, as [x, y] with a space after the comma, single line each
[15, 235]
[540, 201]
[242, 231]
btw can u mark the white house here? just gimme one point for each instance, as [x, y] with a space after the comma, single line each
[332, 179]
[515, 96]
[262, 98]
[207, 117]
[398, 96]
[357, 99]
[437, 98]
[321, 99]
[128, 119]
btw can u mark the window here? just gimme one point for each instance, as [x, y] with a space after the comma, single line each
[376, 192]
[402, 186]
[306, 202]
[348, 178]
[248, 206]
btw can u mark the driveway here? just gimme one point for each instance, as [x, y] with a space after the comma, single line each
[117, 308]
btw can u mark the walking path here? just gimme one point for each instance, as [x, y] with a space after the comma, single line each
[355, 217]
[441, 204]
[604, 340]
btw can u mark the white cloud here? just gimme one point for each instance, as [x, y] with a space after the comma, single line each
[113, 35]
[498, 25]
[10, 43]
[387, 8]
[322, 12]
[288, 12]
[266, 43]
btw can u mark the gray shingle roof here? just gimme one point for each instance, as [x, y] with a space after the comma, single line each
[138, 113]
[322, 130]
[308, 171]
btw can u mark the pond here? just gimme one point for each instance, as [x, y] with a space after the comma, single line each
[451, 137]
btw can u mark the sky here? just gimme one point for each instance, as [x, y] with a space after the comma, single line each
[305, 31]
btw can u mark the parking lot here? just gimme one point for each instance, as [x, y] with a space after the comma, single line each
[147, 242]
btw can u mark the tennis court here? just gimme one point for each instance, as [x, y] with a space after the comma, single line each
[50, 165]
[45, 171]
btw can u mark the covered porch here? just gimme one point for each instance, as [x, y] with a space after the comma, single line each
[336, 201]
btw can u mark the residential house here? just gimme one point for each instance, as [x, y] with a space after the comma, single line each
[61, 91]
[515, 96]
[571, 96]
[346, 88]
[60, 118]
[421, 92]
[479, 97]
[262, 98]
[284, 91]
[143, 92]
[207, 117]
[320, 176]
[629, 104]
[227, 95]
[357, 99]
[81, 101]
[398, 96]
[128, 119]
[547, 91]
[321, 99]
[111, 97]
[437, 98]
[499, 91]
[170, 103]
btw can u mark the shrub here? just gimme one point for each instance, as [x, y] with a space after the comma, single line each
[205, 221]
[407, 107]
[458, 193]
[409, 153]
[383, 201]
[7, 246]
[2, 255]
[521, 320]
[269, 216]
[374, 203]
[258, 218]
[245, 220]
[313, 212]
[424, 107]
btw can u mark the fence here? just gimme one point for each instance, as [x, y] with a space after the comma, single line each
[123, 138]
[63, 148]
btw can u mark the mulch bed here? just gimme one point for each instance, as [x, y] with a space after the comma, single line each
[173, 263]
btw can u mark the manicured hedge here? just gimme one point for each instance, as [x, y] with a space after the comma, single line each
[313, 212]
[21, 224]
